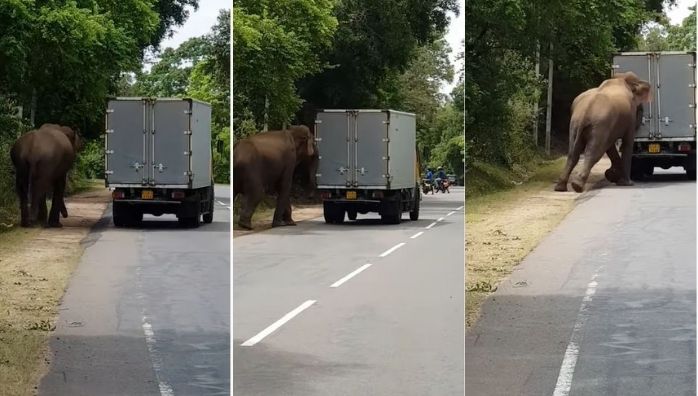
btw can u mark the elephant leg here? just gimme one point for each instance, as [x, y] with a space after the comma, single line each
[572, 159]
[283, 200]
[57, 204]
[37, 208]
[627, 150]
[592, 155]
[614, 173]
[287, 216]
[22, 187]
[250, 200]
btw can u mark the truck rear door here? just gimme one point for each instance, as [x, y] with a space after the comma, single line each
[371, 148]
[676, 95]
[644, 66]
[171, 146]
[334, 132]
[126, 142]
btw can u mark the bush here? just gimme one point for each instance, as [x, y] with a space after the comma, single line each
[90, 161]
[11, 127]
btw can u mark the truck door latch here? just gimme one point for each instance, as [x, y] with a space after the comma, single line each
[136, 166]
[160, 167]
[342, 170]
[362, 171]
[667, 120]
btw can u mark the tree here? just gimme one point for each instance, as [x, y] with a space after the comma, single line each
[683, 37]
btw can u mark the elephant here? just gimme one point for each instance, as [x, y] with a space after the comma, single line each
[42, 158]
[601, 116]
[265, 163]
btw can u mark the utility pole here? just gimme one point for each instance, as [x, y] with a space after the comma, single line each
[535, 105]
[266, 113]
[549, 110]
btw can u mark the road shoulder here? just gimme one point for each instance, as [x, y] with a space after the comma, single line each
[35, 267]
[502, 228]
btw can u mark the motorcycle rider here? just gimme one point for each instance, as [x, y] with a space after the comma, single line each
[441, 175]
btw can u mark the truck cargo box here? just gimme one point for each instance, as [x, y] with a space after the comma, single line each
[366, 149]
[158, 142]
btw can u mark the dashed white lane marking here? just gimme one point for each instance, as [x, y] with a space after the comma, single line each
[274, 326]
[150, 341]
[417, 235]
[450, 213]
[392, 249]
[564, 379]
[351, 275]
[440, 219]
[430, 225]
[223, 204]
[459, 208]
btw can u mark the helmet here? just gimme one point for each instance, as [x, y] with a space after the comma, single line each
[440, 168]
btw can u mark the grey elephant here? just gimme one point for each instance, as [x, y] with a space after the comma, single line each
[42, 159]
[265, 163]
[601, 116]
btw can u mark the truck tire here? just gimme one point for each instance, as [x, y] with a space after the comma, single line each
[333, 213]
[690, 167]
[124, 216]
[691, 174]
[351, 214]
[395, 215]
[414, 213]
[192, 221]
[208, 217]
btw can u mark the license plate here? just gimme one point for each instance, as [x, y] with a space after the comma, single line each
[147, 194]
[351, 194]
[654, 148]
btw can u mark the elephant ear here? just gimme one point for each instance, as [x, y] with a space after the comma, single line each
[305, 142]
[640, 88]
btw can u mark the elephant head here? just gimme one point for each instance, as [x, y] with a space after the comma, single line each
[307, 156]
[71, 133]
[640, 89]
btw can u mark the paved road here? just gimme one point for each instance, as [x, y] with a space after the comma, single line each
[395, 328]
[147, 312]
[605, 305]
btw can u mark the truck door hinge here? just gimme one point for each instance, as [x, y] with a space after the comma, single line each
[187, 112]
[110, 110]
[187, 152]
[109, 131]
[109, 152]
[187, 132]
[188, 173]
[691, 106]
[109, 172]
[386, 158]
[386, 140]
[318, 121]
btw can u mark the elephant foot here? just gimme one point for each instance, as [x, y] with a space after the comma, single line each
[283, 223]
[245, 224]
[624, 182]
[577, 186]
[612, 175]
[561, 186]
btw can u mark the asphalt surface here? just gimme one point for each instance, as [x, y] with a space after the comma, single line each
[394, 328]
[605, 305]
[147, 312]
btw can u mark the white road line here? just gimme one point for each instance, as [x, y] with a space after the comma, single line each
[351, 275]
[392, 249]
[450, 213]
[459, 208]
[440, 219]
[417, 234]
[274, 326]
[430, 225]
[150, 340]
[222, 203]
[564, 379]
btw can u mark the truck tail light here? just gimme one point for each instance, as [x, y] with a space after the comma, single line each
[178, 195]
[378, 194]
[683, 147]
[118, 194]
[325, 195]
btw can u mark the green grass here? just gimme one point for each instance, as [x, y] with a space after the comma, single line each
[484, 179]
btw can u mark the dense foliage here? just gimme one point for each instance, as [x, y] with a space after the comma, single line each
[504, 41]
[349, 54]
[60, 59]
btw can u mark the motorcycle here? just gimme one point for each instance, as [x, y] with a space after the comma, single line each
[443, 185]
[427, 187]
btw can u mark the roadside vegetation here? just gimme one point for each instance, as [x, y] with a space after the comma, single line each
[510, 205]
[294, 64]
[60, 60]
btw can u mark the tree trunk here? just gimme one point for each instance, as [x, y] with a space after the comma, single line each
[549, 110]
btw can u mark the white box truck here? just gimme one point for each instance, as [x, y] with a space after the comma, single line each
[158, 159]
[667, 134]
[368, 163]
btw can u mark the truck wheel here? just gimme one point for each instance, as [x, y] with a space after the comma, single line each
[691, 174]
[351, 214]
[208, 217]
[637, 169]
[395, 215]
[414, 214]
[333, 213]
[123, 216]
[192, 221]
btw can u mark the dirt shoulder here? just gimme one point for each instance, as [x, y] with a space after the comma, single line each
[261, 220]
[503, 227]
[35, 266]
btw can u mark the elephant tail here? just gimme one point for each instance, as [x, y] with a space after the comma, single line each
[577, 136]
